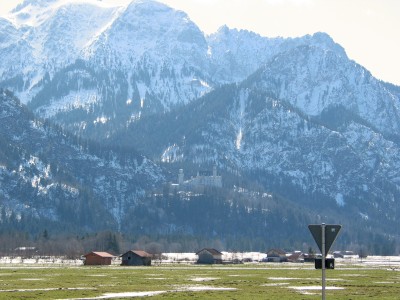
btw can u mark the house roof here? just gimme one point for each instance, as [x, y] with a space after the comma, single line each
[101, 254]
[139, 253]
[211, 250]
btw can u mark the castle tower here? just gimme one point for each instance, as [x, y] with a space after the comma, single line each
[180, 176]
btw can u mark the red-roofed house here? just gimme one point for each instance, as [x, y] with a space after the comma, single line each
[98, 258]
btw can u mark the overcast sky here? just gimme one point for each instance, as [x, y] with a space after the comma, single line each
[367, 29]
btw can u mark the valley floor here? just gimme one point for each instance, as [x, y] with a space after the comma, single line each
[252, 258]
[56, 278]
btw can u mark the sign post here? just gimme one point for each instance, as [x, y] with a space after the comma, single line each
[324, 235]
[323, 260]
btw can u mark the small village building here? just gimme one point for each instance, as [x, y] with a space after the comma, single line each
[136, 258]
[276, 255]
[98, 258]
[209, 256]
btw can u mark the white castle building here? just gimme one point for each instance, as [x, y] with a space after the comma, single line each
[199, 183]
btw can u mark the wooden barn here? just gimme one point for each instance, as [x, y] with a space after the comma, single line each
[209, 256]
[136, 258]
[98, 258]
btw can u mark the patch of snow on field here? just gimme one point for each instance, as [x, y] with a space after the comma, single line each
[204, 279]
[289, 278]
[314, 287]
[44, 290]
[154, 293]
[205, 288]
[275, 284]
[304, 289]
[125, 295]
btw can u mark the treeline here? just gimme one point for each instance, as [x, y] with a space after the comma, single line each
[186, 222]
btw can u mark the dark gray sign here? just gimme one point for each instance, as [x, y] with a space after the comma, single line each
[331, 232]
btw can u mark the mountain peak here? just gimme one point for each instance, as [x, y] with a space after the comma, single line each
[325, 40]
[146, 27]
[148, 3]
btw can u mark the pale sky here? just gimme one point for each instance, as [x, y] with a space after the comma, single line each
[369, 30]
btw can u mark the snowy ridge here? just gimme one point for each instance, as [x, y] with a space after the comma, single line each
[315, 80]
[164, 61]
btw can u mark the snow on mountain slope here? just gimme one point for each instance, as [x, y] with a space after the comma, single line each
[315, 80]
[148, 58]
[160, 59]
[49, 174]
[153, 28]
[15, 52]
[59, 40]
[161, 51]
[50, 35]
[237, 54]
[141, 59]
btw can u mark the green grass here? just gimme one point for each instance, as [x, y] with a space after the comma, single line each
[253, 281]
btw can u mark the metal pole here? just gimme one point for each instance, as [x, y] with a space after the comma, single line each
[323, 260]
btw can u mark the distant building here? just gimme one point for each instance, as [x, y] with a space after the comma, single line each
[136, 258]
[344, 254]
[198, 183]
[209, 256]
[276, 255]
[296, 257]
[98, 258]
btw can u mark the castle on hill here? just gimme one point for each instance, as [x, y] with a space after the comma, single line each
[198, 183]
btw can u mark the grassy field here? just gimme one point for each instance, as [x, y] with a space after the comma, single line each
[249, 281]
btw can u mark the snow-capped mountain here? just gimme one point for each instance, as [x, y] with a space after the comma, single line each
[295, 116]
[316, 80]
[139, 59]
[95, 69]
[153, 29]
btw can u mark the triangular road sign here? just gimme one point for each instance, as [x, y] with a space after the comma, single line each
[331, 232]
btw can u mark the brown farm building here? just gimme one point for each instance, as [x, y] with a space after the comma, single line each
[98, 258]
[136, 258]
[209, 256]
